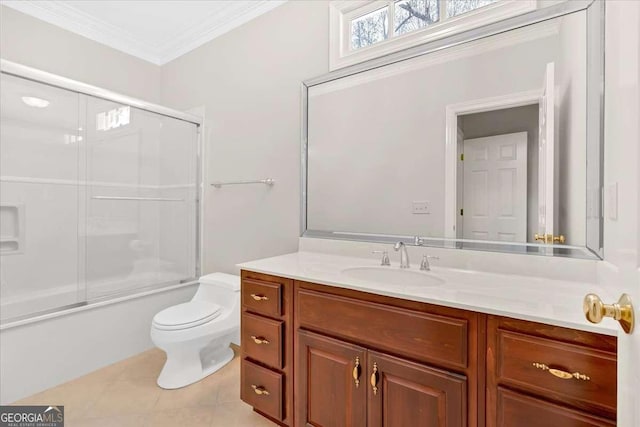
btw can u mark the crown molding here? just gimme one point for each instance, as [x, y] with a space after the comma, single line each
[215, 26]
[63, 15]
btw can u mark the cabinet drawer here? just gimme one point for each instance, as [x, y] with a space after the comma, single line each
[515, 409]
[262, 339]
[262, 297]
[528, 362]
[413, 334]
[262, 388]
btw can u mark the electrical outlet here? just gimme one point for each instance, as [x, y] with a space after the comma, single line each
[420, 207]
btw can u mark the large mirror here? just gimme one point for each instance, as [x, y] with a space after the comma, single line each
[489, 141]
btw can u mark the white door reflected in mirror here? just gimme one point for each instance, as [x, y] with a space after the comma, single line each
[495, 188]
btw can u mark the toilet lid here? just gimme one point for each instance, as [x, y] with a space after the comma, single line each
[187, 315]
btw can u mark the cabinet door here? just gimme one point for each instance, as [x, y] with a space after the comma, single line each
[330, 382]
[403, 393]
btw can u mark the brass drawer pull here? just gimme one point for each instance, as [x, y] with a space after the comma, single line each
[356, 372]
[259, 340]
[259, 390]
[560, 373]
[259, 297]
[374, 378]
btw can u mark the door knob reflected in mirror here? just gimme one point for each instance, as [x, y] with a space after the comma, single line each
[550, 238]
[622, 311]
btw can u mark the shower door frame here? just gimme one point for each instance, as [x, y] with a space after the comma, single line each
[39, 76]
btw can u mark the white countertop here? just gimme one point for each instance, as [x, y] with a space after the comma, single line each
[555, 302]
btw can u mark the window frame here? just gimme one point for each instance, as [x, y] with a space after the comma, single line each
[343, 12]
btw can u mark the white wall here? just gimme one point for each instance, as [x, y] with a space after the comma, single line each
[248, 80]
[35, 43]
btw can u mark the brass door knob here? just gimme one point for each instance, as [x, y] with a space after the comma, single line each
[622, 311]
[550, 238]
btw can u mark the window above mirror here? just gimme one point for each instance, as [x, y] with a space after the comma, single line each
[363, 30]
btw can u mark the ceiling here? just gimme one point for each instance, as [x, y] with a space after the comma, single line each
[157, 31]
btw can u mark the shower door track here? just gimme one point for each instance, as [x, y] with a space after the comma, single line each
[91, 304]
[40, 76]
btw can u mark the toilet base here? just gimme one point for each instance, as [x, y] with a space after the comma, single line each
[183, 368]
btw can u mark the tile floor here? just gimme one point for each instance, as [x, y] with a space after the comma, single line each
[125, 394]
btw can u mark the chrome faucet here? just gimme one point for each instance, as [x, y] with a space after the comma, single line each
[404, 256]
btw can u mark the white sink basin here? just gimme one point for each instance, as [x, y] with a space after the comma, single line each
[393, 275]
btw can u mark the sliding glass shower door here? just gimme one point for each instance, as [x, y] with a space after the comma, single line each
[98, 199]
[39, 192]
[141, 172]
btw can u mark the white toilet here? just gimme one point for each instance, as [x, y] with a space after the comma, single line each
[196, 334]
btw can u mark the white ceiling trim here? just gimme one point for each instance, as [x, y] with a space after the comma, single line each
[215, 26]
[66, 16]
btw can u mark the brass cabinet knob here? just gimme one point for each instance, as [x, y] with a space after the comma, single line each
[259, 297]
[622, 311]
[550, 238]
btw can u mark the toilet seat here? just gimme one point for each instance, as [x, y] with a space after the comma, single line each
[187, 315]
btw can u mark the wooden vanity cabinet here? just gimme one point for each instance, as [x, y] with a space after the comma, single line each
[333, 357]
[542, 375]
[336, 383]
[266, 337]
[369, 360]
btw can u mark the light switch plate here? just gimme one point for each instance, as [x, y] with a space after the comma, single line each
[421, 207]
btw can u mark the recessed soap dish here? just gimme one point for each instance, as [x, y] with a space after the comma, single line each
[11, 228]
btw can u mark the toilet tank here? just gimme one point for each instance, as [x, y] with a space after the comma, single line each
[220, 288]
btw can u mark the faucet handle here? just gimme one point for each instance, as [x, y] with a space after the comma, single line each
[424, 265]
[385, 257]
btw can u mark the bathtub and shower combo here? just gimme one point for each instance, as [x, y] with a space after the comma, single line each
[99, 196]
